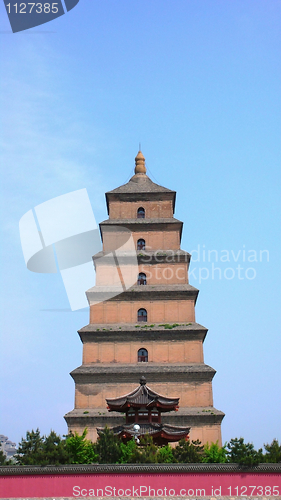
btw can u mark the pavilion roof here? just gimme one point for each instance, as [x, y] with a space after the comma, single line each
[156, 430]
[141, 397]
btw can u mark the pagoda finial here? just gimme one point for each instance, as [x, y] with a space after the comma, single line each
[142, 380]
[140, 163]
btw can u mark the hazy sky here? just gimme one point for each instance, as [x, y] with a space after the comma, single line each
[197, 82]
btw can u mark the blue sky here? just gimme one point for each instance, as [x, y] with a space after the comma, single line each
[198, 84]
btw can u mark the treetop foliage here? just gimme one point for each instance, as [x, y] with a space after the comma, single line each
[80, 449]
[42, 450]
[214, 454]
[109, 449]
[243, 453]
[273, 452]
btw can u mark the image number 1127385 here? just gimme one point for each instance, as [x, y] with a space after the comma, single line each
[26, 15]
[27, 8]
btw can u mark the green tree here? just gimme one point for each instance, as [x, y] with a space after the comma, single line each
[80, 449]
[108, 447]
[273, 452]
[42, 450]
[55, 450]
[243, 453]
[30, 450]
[188, 452]
[214, 454]
[165, 455]
[145, 452]
[127, 451]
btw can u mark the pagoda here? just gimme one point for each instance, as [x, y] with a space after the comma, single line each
[144, 408]
[142, 317]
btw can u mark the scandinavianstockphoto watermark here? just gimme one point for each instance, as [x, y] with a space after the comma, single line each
[226, 264]
[205, 264]
[243, 254]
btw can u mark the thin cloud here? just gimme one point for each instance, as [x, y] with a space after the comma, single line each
[41, 146]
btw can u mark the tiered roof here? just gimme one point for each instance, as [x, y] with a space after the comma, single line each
[160, 432]
[146, 400]
[141, 397]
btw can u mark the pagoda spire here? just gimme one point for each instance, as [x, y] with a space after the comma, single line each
[140, 164]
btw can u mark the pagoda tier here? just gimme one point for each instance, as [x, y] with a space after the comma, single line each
[142, 316]
[159, 228]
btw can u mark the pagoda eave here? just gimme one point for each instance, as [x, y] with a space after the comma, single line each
[144, 257]
[155, 372]
[100, 417]
[126, 332]
[146, 223]
[169, 224]
[145, 292]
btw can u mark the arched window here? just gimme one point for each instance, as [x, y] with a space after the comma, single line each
[142, 355]
[142, 315]
[142, 279]
[141, 213]
[141, 244]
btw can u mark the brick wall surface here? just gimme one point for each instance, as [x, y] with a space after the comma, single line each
[158, 352]
[128, 209]
[192, 394]
[166, 311]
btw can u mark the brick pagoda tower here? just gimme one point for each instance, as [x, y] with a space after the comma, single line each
[142, 316]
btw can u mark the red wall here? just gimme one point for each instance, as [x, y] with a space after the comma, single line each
[137, 485]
